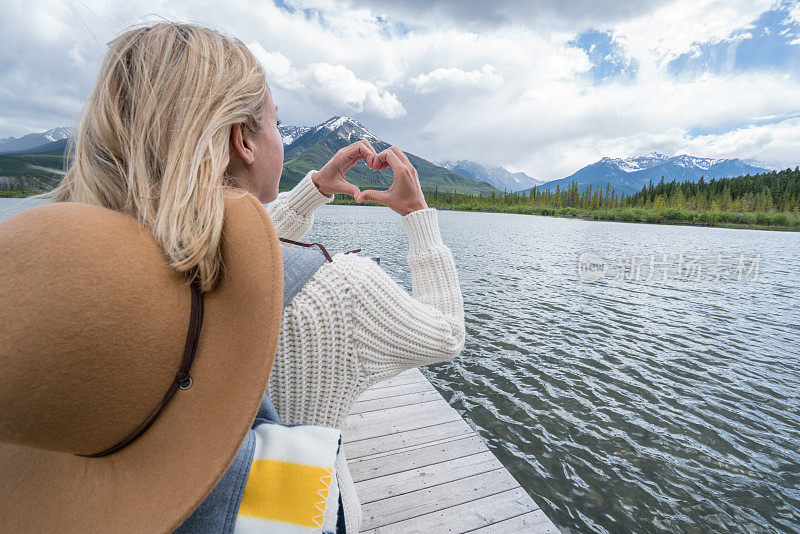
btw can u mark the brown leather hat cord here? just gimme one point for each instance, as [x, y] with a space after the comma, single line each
[327, 256]
[182, 379]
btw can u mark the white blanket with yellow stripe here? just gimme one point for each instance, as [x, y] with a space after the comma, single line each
[291, 487]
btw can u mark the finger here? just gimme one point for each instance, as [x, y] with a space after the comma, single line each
[356, 152]
[404, 157]
[345, 163]
[398, 166]
[379, 161]
[345, 188]
[369, 160]
[401, 155]
[351, 153]
[371, 194]
[369, 145]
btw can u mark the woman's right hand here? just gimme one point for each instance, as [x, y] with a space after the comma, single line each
[405, 194]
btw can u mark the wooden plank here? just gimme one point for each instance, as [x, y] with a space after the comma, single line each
[387, 427]
[400, 441]
[406, 377]
[394, 382]
[419, 467]
[372, 405]
[406, 390]
[419, 410]
[465, 517]
[416, 503]
[530, 523]
[376, 489]
[382, 453]
[394, 391]
[414, 371]
[365, 469]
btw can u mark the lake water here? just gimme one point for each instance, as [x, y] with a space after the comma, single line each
[632, 377]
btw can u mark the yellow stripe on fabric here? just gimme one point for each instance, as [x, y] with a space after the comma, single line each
[284, 491]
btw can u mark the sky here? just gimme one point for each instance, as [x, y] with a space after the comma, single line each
[541, 86]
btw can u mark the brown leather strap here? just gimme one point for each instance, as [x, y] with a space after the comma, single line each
[182, 380]
[327, 256]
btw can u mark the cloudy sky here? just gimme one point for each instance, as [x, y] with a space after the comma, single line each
[540, 86]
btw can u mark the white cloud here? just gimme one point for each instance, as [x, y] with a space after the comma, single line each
[673, 29]
[448, 78]
[794, 14]
[278, 68]
[511, 92]
[540, 15]
[552, 130]
[775, 144]
[339, 85]
[335, 86]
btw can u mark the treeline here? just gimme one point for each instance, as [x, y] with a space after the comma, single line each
[763, 200]
[777, 191]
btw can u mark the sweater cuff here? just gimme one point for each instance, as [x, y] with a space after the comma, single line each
[422, 227]
[304, 198]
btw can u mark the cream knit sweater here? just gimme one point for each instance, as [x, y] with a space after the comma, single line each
[352, 325]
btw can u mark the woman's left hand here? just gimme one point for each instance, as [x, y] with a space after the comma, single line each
[330, 178]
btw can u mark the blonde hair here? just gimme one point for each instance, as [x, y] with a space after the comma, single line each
[153, 141]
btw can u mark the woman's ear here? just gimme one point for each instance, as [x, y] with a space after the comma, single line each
[241, 147]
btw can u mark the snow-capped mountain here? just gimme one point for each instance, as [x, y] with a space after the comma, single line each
[342, 130]
[637, 163]
[497, 176]
[289, 132]
[314, 147]
[654, 158]
[347, 128]
[629, 175]
[18, 144]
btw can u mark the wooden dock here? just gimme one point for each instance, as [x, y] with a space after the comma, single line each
[419, 467]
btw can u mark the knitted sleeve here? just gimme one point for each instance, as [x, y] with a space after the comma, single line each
[292, 212]
[395, 331]
[351, 325]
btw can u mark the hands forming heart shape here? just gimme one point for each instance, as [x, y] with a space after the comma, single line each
[404, 195]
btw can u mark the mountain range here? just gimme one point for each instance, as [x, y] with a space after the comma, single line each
[289, 132]
[18, 145]
[310, 147]
[314, 146]
[629, 175]
[306, 148]
[497, 176]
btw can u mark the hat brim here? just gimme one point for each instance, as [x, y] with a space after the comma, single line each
[156, 482]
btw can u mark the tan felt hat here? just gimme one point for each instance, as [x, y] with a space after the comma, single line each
[93, 328]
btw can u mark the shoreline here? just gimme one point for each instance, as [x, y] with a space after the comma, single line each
[626, 215]
[16, 193]
[667, 216]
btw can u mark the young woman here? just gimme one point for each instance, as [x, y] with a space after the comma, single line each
[196, 117]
